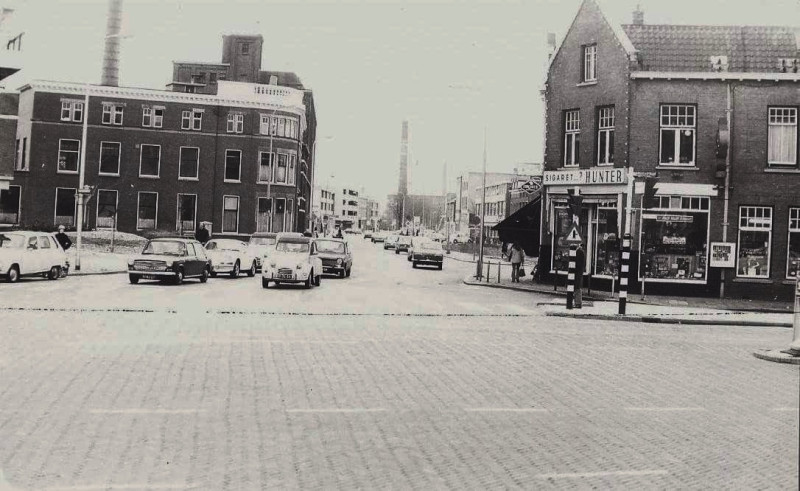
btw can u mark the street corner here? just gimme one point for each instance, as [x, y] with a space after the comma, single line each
[777, 356]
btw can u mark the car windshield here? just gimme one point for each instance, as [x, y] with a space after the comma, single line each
[431, 246]
[261, 241]
[330, 246]
[12, 241]
[165, 247]
[292, 247]
[222, 245]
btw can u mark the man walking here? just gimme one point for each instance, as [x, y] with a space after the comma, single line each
[516, 256]
[62, 238]
[580, 266]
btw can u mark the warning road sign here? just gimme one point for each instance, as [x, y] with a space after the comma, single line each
[573, 236]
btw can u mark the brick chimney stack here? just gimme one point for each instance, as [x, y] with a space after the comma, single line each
[638, 16]
[110, 75]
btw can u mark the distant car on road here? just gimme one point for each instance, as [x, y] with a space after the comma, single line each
[367, 234]
[390, 241]
[428, 252]
[437, 237]
[379, 237]
[461, 238]
[402, 244]
[261, 243]
[230, 256]
[337, 258]
[170, 259]
[295, 260]
[415, 243]
[24, 253]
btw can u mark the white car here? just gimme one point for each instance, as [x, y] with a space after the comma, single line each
[230, 256]
[24, 253]
[261, 244]
[295, 260]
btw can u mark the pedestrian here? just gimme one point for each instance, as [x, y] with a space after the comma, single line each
[62, 238]
[516, 256]
[580, 266]
[202, 234]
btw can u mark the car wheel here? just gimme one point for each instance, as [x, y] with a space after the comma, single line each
[133, 278]
[342, 273]
[213, 274]
[397, 251]
[347, 273]
[414, 264]
[440, 266]
[204, 276]
[410, 258]
[309, 282]
[264, 283]
[13, 274]
[252, 271]
[54, 273]
[318, 280]
[235, 272]
[178, 277]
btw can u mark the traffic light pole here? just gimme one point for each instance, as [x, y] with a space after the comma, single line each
[624, 272]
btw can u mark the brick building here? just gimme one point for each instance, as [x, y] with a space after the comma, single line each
[656, 99]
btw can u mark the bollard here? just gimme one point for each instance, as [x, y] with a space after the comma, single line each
[571, 276]
[623, 273]
[488, 270]
[613, 284]
[498, 272]
[794, 348]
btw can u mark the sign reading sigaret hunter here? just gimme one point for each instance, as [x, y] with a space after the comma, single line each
[577, 177]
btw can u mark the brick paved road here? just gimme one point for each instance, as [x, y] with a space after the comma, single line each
[184, 396]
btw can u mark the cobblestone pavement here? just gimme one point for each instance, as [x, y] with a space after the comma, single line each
[461, 387]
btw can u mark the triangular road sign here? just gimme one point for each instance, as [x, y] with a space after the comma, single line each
[573, 236]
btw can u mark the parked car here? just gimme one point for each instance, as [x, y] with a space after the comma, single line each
[170, 259]
[295, 260]
[461, 238]
[437, 237]
[24, 253]
[261, 244]
[379, 237]
[337, 258]
[428, 252]
[402, 244]
[230, 256]
[415, 242]
[389, 242]
[367, 234]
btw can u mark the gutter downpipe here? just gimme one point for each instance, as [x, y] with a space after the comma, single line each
[725, 216]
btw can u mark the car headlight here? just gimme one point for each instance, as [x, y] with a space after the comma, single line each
[339, 262]
[130, 263]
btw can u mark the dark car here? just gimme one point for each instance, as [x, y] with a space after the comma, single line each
[172, 259]
[337, 258]
[402, 244]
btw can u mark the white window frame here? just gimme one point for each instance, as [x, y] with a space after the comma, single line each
[197, 120]
[288, 215]
[673, 123]
[100, 163]
[158, 116]
[72, 111]
[276, 164]
[271, 168]
[794, 227]
[110, 113]
[782, 116]
[60, 141]
[186, 120]
[225, 169]
[19, 201]
[590, 63]
[754, 228]
[235, 123]
[138, 209]
[269, 217]
[55, 206]
[572, 131]
[180, 163]
[141, 149]
[606, 120]
[238, 209]
[178, 211]
[263, 127]
[292, 169]
[97, 209]
[147, 116]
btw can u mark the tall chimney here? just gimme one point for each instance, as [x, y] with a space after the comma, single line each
[638, 16]
[111, 53]
[402, 187]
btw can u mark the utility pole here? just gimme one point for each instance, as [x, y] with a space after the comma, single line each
[479, 274]
[81, 180]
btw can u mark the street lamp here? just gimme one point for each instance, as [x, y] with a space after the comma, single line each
[479, 274]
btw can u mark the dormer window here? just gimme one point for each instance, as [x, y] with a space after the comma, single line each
[789, 65]
[590, 63]
[719, 63]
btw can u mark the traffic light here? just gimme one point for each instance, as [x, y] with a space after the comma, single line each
[574, 202]
[649, 198]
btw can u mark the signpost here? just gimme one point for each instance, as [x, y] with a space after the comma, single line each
[530, 186]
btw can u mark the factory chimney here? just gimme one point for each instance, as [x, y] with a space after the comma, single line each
[110, 75]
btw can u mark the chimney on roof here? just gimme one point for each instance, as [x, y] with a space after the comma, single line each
[638, 16]
[110, 75]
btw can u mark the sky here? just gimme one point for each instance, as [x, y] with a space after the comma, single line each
[456, 70]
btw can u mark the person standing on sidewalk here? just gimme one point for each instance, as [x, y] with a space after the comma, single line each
[202, 234]
[516, 256]
[62, 238]
[580, 266]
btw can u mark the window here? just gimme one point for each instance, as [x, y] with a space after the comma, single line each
[186, 120]
[197, 120]
[264, 167]
[152, 116]
[230, 214]
[158, 117]
[65, 207]
[187, 212]
[678, 124]
[280, 170]
[19, 156]
[112, 114]
[755, 235]
[109, 158]
[233, 165]
[590, 63]
[605, 136]
[245, 48]
[292, 165]
[192, 120]
[572, 133]
[72, 111]
[262, 215]
[264, 126]
[235, 123]
[147, 116]
[149, 160]
[782, 136]
[282, 127]
[147, 211]
[106, 209]
[793, 260]
[68, 155]
[189, 165]
[10, 204]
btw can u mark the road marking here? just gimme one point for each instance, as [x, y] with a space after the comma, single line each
[339, 410]
[145, 411]
[659, 472]
[89, 487]
[505, 410]
[665, 409]
[792, 409]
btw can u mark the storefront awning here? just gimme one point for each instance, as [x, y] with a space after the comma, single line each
[684, 189]
[523, 227]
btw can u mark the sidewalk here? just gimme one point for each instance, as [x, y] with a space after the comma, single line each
[93, 263]
[654, 309]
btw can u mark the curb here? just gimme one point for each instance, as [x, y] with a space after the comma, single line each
[777, 356]
[650, 319]
[97, 273]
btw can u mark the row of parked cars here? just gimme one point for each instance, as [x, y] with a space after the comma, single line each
[419, 250]
[28, 253]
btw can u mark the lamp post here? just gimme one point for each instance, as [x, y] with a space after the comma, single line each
[479, 274]
[81, 180]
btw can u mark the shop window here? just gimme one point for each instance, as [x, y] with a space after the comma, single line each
[607, 246]
[605, 136]
[755, 235]
[782, 136]
[674, 242]
[793, 260]
[678, 123]
[572, 134]
[561, 225]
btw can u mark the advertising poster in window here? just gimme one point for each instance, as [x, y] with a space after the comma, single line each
[607, 243]
[674, 246]
[723, 255]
